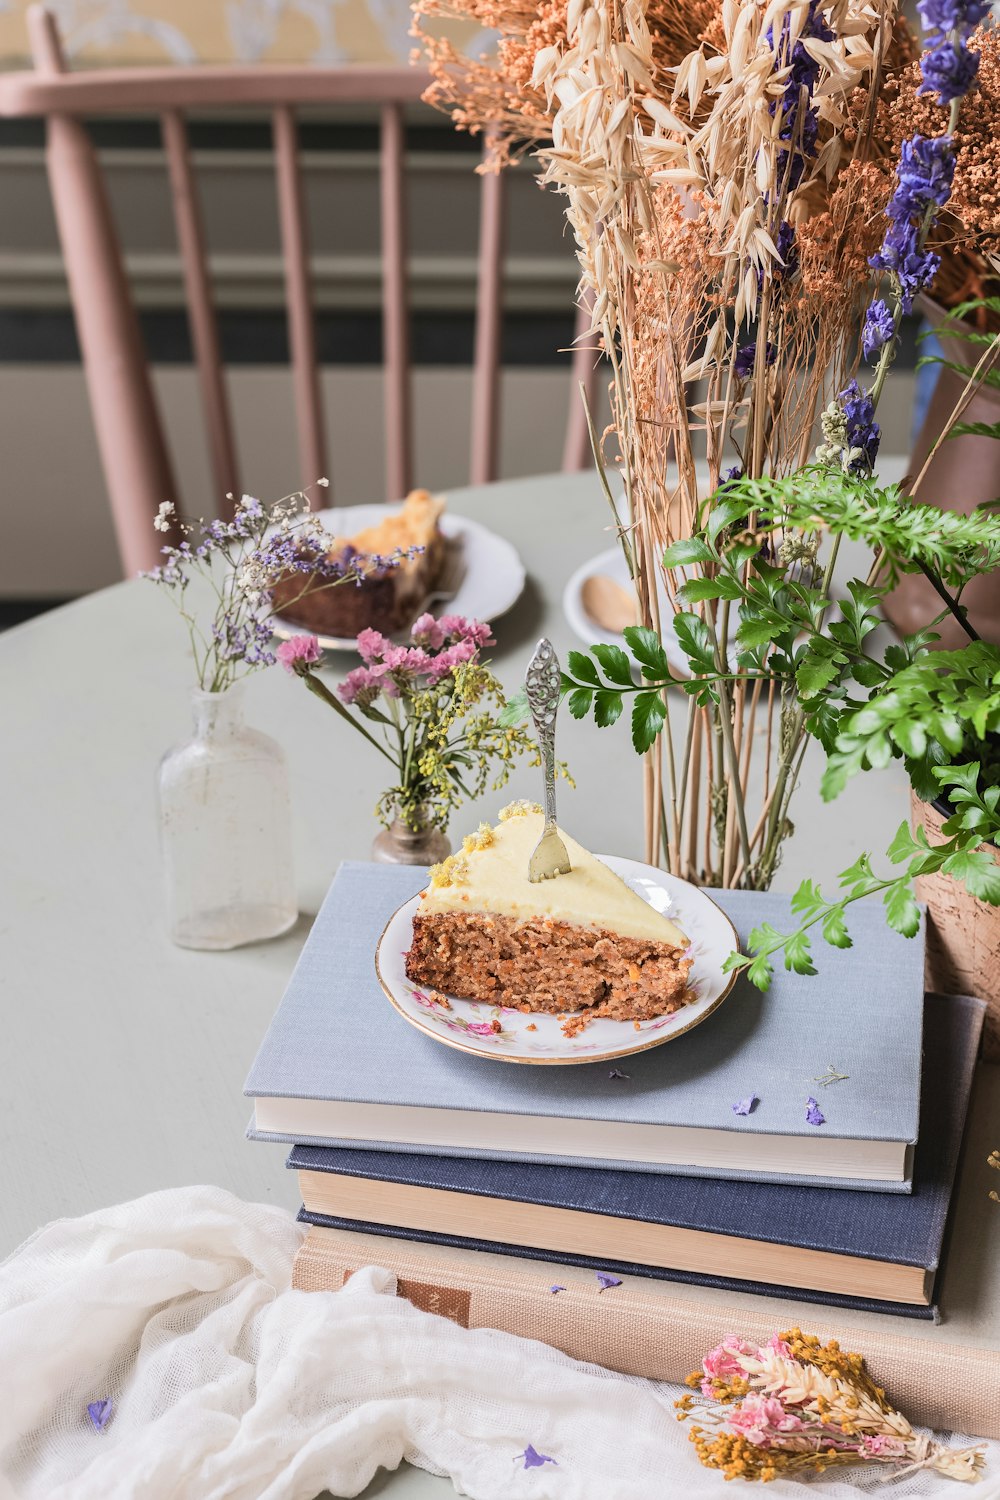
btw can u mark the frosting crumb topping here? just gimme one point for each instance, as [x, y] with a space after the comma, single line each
[519, 809]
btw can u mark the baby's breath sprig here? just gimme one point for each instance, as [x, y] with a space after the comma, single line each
[241, 561]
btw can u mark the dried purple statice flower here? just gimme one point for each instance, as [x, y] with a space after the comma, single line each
[556, 1288]
[814, 1115]
[533, 1459]
[99, 1412]
[607, 1281]
[746, 1106]
[617, 1073]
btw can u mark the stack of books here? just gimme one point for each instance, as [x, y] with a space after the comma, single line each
[634, 1214]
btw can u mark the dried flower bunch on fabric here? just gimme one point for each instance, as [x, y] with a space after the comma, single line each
[434, 709]
[796, 1406]
[242, 561]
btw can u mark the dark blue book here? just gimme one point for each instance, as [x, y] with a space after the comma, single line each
[843, 1246]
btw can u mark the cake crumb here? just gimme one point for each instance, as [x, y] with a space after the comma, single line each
[573, 1025]
[440, 999]
[496, 1025]
[531, 1027]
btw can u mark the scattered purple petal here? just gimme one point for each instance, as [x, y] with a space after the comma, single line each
[615, 1073]
[814, 1115]
[606, 1280]
[99, 1413]
[557, 1288]
[746, 1106]
[533, 1459]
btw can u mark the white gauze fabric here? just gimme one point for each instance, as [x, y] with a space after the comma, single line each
[227, 1383]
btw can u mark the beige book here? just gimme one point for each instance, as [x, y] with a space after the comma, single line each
[540, 1226]
[944, 1375]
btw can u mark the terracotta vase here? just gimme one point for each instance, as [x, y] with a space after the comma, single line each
[401, 845]
[963, 472]
[963, 935]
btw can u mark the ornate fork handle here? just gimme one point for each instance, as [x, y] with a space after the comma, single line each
[542, 684]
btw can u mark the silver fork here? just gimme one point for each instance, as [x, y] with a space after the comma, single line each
[542, 683]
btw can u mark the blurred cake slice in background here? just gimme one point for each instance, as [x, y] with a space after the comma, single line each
[391, 596]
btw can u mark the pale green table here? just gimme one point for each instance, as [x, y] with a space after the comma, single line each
[123, 1057]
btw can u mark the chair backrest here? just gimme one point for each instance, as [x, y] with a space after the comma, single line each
[134, 453]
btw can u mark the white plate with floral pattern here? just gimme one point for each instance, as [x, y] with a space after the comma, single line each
[521, 1037]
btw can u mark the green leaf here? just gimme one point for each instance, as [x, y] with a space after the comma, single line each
[725, 514]
[607, 707]
[807, 899]
[616, 665]
[515, 711]
[690, 549]
[901, 910]
[761, 971]
[975, 429]
[835, 928]
[904, 845]
[579, 702]
[978, 871]
[797, 953]
[814, 673]
[695, 641]
[696, 590]
[648, 714]
[910, 737]
[840, 767]
[868, 673]
[823, 720]
[647, 648]
[758, 630]
[582, 667]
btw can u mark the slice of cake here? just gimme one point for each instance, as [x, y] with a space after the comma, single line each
[583, 941]
[390, 597]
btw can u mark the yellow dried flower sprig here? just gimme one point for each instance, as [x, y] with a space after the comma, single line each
[796, 1404]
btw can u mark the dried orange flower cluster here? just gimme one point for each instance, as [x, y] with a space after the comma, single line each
[500, 97]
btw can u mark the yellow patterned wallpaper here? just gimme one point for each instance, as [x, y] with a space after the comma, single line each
[106, 32]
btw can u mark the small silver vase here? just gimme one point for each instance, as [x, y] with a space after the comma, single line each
[401, 845]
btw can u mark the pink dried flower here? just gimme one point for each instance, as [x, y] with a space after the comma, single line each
[720, 1363]
[458, 628]
[452, 656]
[761, 1418]
[881, 1445]
[299, 652]
[359, 683]
[407, 659]
[372, 646]
[427, 632]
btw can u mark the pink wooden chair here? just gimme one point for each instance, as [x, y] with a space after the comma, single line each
[133, 449]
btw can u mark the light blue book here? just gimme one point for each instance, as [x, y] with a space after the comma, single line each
[339, 1067]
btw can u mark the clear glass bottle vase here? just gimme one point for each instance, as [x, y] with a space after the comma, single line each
[226, 830]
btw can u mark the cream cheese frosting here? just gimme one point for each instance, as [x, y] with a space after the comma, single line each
[491, 875]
